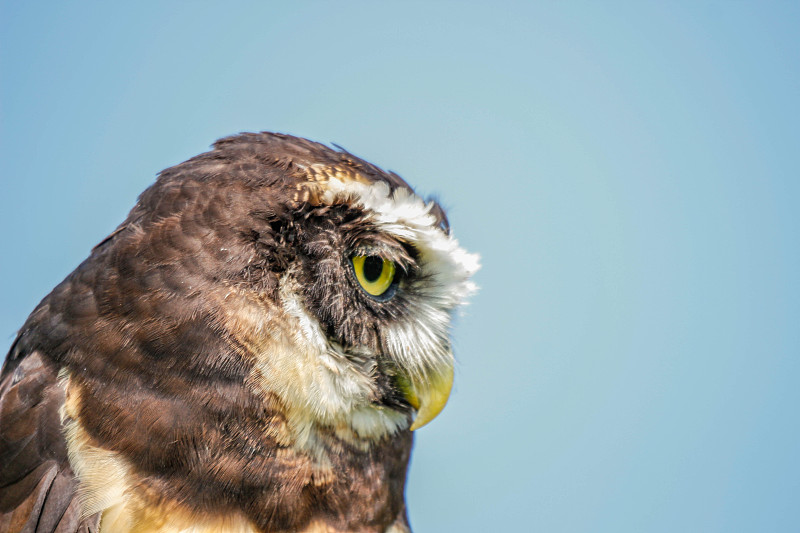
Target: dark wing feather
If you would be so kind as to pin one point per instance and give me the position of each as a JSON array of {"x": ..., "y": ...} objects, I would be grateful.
[{"x": 37, "y": 485}]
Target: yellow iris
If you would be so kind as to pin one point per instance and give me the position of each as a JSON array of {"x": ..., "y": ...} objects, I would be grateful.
[{"x": 374, "y": 274}]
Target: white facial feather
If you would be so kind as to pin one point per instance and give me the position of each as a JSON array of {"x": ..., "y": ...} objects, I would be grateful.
[
  {"x": 446, "y": 269},
  {"x": 406, "y": 216}
]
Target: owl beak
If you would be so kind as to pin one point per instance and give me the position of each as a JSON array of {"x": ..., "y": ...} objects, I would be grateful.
[{"x": 429, "y": 396}]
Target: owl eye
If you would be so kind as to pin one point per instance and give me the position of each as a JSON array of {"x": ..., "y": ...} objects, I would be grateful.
[{"x": 375, "y": 275}]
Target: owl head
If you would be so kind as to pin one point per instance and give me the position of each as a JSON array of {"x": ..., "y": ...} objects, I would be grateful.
[
  {"x": 322, "y": 283},
  {"x": 332, "y": 275}
]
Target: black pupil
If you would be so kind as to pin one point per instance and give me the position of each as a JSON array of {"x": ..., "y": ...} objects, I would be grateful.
[{"x": 373, "y": 266}]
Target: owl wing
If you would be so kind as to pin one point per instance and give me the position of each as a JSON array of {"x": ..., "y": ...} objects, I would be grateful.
[{"x": 37, "y": 485}]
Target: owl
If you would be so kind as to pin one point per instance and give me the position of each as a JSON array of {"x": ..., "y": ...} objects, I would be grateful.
[{"x": 249, "y": 351}]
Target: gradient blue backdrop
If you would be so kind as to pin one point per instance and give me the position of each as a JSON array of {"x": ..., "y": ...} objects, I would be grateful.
[{"x": 628, "y": 172}]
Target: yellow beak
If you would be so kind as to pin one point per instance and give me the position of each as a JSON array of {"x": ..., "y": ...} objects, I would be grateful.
[{"x": 428, "y": 397}]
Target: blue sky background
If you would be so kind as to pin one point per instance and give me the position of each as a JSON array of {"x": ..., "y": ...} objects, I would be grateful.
[{"x": 629, "y": 172}]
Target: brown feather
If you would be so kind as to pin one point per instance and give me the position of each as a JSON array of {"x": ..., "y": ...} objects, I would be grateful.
[{"x": 37, "y": 486}]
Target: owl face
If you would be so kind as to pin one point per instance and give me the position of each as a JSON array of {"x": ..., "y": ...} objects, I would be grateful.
[{"x": 366, "y": 304}]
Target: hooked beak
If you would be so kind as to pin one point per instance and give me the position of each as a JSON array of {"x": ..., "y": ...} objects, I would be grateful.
[{"x": 428, "y": 395}]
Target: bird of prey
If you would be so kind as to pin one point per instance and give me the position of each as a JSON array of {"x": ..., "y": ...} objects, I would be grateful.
[{"x": 249, "y": 351}]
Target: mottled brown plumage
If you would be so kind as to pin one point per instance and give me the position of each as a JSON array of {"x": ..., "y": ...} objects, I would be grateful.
[{"x": 189, "y": 370}]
